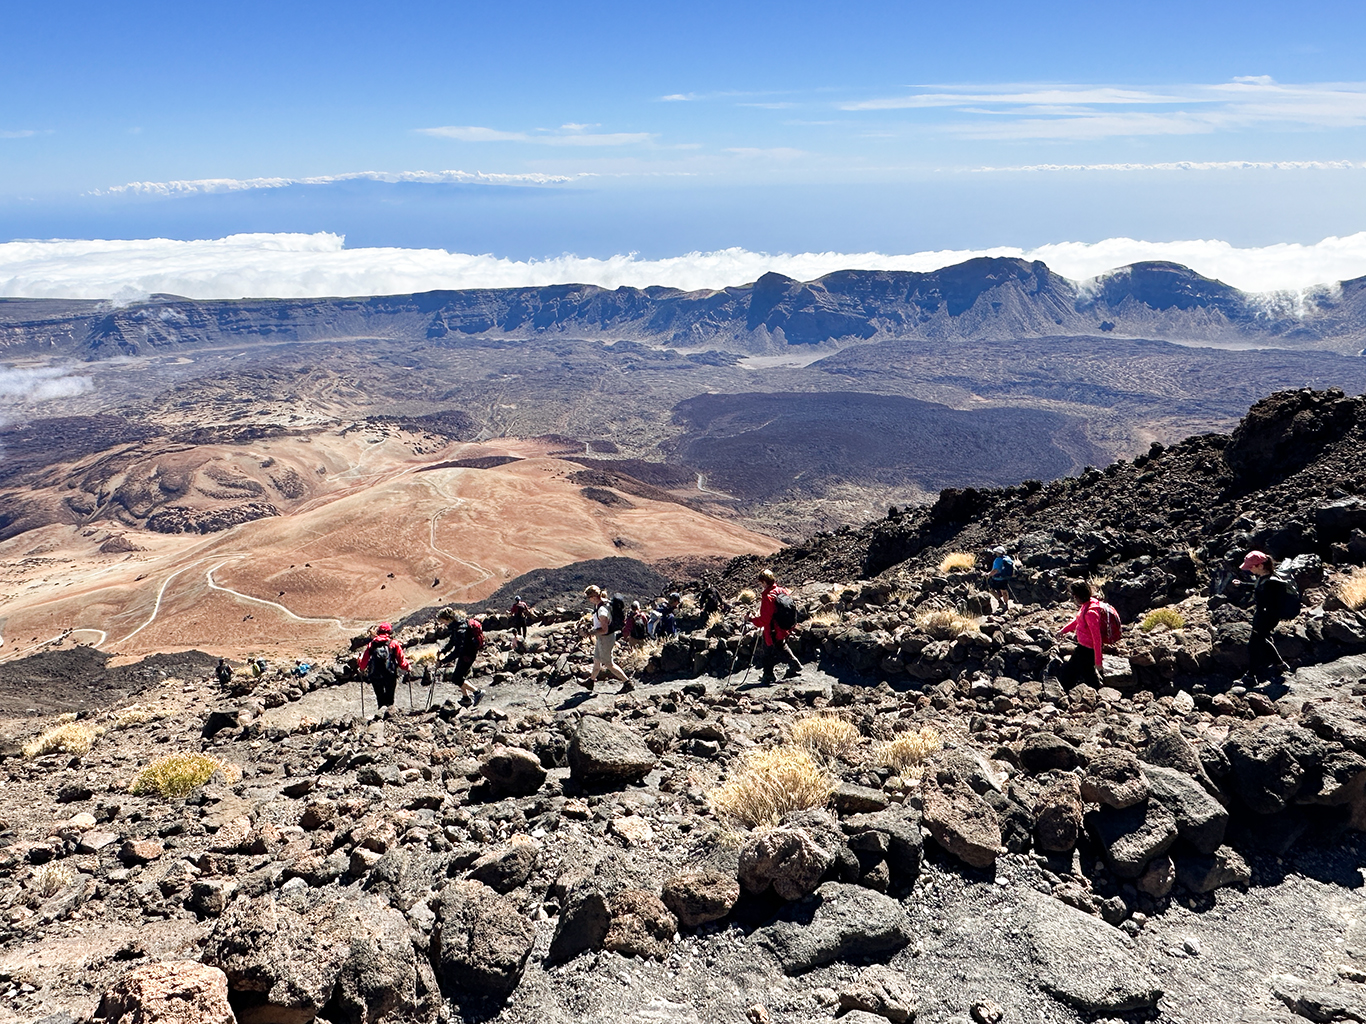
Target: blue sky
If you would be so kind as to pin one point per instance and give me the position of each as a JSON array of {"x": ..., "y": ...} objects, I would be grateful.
[{"x": 664, "y": 128}]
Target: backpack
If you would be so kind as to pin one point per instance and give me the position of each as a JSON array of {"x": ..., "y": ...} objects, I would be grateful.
[
  {"x": 1110, "y": 627},
  {"x": 618, "y": 622},
  {"x": 637, "y": 626},
  {"x": 383, "y": 665},
  {"x": 520, "y": 611},
  {"x": 784, "y": 610},
  {"x": 1007, "y": 567},
  {"x": 1292, "y": 602},
  {"x": 474, "y": 638}
]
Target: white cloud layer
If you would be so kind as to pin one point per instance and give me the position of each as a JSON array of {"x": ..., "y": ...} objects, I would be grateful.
[
  {"x": 1102, "y": 111},
  {"x": 38, "y": 385},
  {"x": 569, "y": 135},
  {"x": 299, "y": 266},
  {"x": 200, "y": 186},
  {"x": 1189, "y": 165}
]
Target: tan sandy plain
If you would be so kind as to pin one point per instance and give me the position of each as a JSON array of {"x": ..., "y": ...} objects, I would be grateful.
[{"x": 302, "y": 583}]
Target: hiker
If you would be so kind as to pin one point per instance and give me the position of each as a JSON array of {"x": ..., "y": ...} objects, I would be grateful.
[
  {"x": 1002, "y": 569},
  {"x": 637, "y": 626},
  {"x": 777, "y": 618},
  {"x": 223, "y": 672},
  {"x": 604, "y": 630},
  {"x": 381, "y": 662},
  {"x": 520, "y": 612},
  {"x": 1272, "y": 593},
  {"x": 664, "y": 619},
  {"x": 1086, "y": 662},
  {"x": 464, "y": 641},
  {"x": 712, "y": 601}
]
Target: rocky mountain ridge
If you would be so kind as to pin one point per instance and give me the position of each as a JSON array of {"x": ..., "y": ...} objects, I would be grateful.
[
  {"x": 955, "y": 837},
  {"x": 994, "y": 298}
]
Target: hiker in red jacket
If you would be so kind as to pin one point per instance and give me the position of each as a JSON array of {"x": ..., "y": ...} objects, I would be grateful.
[
  {"x": 1085, "y": 663},
  {"x": 381, "y": 662},
  {"x": 775, "y": 636}
]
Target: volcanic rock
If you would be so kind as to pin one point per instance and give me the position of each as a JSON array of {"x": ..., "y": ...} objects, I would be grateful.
[
  {"x": 837, "y": 922},
  {"x": 604, "y": 753},
  {"x": 169, "y": 992}
]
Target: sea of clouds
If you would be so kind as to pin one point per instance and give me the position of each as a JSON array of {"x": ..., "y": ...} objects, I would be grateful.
[{"x": 314, "y": 265}]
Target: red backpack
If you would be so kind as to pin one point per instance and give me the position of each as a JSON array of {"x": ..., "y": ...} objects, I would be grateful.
[{"x": 1110, "y": 628}]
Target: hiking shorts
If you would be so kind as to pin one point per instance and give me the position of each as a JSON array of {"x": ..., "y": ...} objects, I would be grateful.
[{"x": 602, "y": 647}]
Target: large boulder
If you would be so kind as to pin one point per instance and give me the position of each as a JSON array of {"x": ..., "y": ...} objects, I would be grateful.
[
  {"x": 482, "y": 942},
  {"x": 904, "y": 842},
  {"x": 508, "y": 867},
  {"x": 882, "y": 991},
  {"x": 168, "y": 992},
  {"x": 511, "y": 771},
  {"x": 1043, "y": 751},
  {"x": 379, "y": 977},
  {"x": 839, "y": 922},
  {"x": 789, "y": 860},
  {"x": 1205, "y": 872},
  {"x": 1270, "y": 761},
  {"x": 1201, "y": 820},
  {"x": 603, "y": 753},
  {"x": 961, "y": 821},
  {"x": 278, "y": 969},
  {"x": 1132, "y": 837},
  {"x": 1286, "y": 430},
  {"x": 1083, "y": 962},
  {"x": 700, "y": 897},
  {"x": 641, "y": 925},
  {"x": 585, "y": 917},
  {"x": 1058, "y": 816},
  {"x": 1114, "y": 778}
]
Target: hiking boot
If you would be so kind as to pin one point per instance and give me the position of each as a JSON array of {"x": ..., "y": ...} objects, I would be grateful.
[
  {"x": 589, "y": 684},
  {"x": 793, "y": 671},
  {"x": 477, "y": 696},
  {"x": 767, "y": 679},
  {"x": 627, "y": 686}
]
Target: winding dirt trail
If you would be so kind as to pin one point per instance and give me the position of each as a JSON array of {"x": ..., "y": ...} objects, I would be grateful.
[{"x": 214, "y": 585}]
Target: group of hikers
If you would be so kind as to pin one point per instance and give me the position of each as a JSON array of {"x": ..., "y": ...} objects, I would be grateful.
[{"x": 1095, "y": 626}]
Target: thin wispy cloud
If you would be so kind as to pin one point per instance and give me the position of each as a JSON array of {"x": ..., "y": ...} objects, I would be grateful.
[
  {"x": 301, "y": 266},
  {"x": 575, "y": 137},
  {"x": 22, "y": 133},
  {"x": 200, "y": 186},
  {"x": 1185, "y": 165},
  {"x": 1079, "y": 112}
]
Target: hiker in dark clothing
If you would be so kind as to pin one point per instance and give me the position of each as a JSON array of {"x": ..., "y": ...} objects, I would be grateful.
[
  {"x": 775, "y": 635},
  {"x": 712, "y": 601},
  {"x": 1002, "y": 570},
  {"x": 223, "y": 672},
  {"x": 464, "y": 641},
  {"x": 381, "y": 662},
  {"x": 520, "y": 613},
  {"x": 1264, "y": 661},
  {"x": 664, "y": 619},
  {"x": 1085, "y": 663}
]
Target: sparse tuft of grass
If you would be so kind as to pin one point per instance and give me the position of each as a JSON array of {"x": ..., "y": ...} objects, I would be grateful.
[
  {"x": 1098, "y": 585},
  {"x": 910, "y": 749},
  {"x": 770, "y": 783},
  {"x": 745, "y": 596},
  {"x": 713, "y": 619},
  {"x": 945, "y": 624},
  {"x": 634, "y": 655},
  {"x": 957, "y": 561},
  {"x": 687, "y": 605},
  {"x": 827, "y": 735},
  {"x": 827, "y": 617},
  {"x": 1169, "y": 617},
  {"x": 176, "y": 775},
  {"x": 67, "y": 738},
  {"x": 66, "y": 716},
  {"x": 50, "y": 879},
  {"x": 1352, "y": 592},
  {"x": 137, "y": 714}
]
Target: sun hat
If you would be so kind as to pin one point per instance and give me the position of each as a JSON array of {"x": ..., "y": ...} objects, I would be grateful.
[
  {"x": 384, "y": 627},
  {"x": 1254, "y": 559}
]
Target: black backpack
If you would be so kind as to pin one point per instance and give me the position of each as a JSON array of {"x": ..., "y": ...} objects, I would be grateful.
[
  {"x": 383, "y": 665},
  {"x": 784, "y": 612},
  {"x": 1291, "y": 602},
  {"x": 618, "y": 614}
]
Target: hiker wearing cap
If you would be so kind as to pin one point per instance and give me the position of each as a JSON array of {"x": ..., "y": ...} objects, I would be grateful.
[
  {"x": 604, "y": 637},
  {"x": 777, "y": 624},
  {"x": 664, "y": 619},
  {"x": 1270, "y": 599},
  {"x": 464, "y": 638},
  {"x": 1002, "y": 569},
  {"x": 381, "y": 662},
  {"x": 1085, "y": 663}
]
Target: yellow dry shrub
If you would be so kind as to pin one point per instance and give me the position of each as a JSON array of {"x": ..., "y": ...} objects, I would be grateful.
[
  {"x": 910, "y": 749},
  {"x": 687, "y": 604},
  {"x": 1169, "y": 617},
  {"x": 137, "y": 714},
  {"x": 176, "y": 775},
  {"x": 957, "y": 561},
  {"x": 67, "y": 738},
  {"x": 827, "y": 735},
  {"x": 827, "y": 617},
  {"x": 770, "y": 783},
  {"x": 1352, "y": 591},
  {"x": 50, "y": 879},
  {"x": 633, "y": 655},
  {"x": 945, "y": 624},
  {"x": 745, "y": 596},
  {"x": 66, "y": 716},
  {"x": 713, "y": 619},
  {"x": 1098, "y": 585}
]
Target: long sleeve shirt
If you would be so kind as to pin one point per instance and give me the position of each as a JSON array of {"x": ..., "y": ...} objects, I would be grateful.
[
  {"x": 764, "y": 620},
  {"x": 1086, "y": 626}
]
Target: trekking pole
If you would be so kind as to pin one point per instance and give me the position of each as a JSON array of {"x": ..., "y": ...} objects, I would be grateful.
[
  {"x": 362, "y": 695},
  {"x": 735, "y": 660},
  {"x": 409, "y": 676},
  {"x": 753, "y": 651},
  {"x": 436, "y": 678}
]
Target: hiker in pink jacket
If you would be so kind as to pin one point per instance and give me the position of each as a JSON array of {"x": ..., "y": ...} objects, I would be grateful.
[{"x": 1084, "y": 663}]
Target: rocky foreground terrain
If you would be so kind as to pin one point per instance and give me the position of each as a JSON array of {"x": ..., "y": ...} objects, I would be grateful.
[{"x": 923, "y": 826}]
